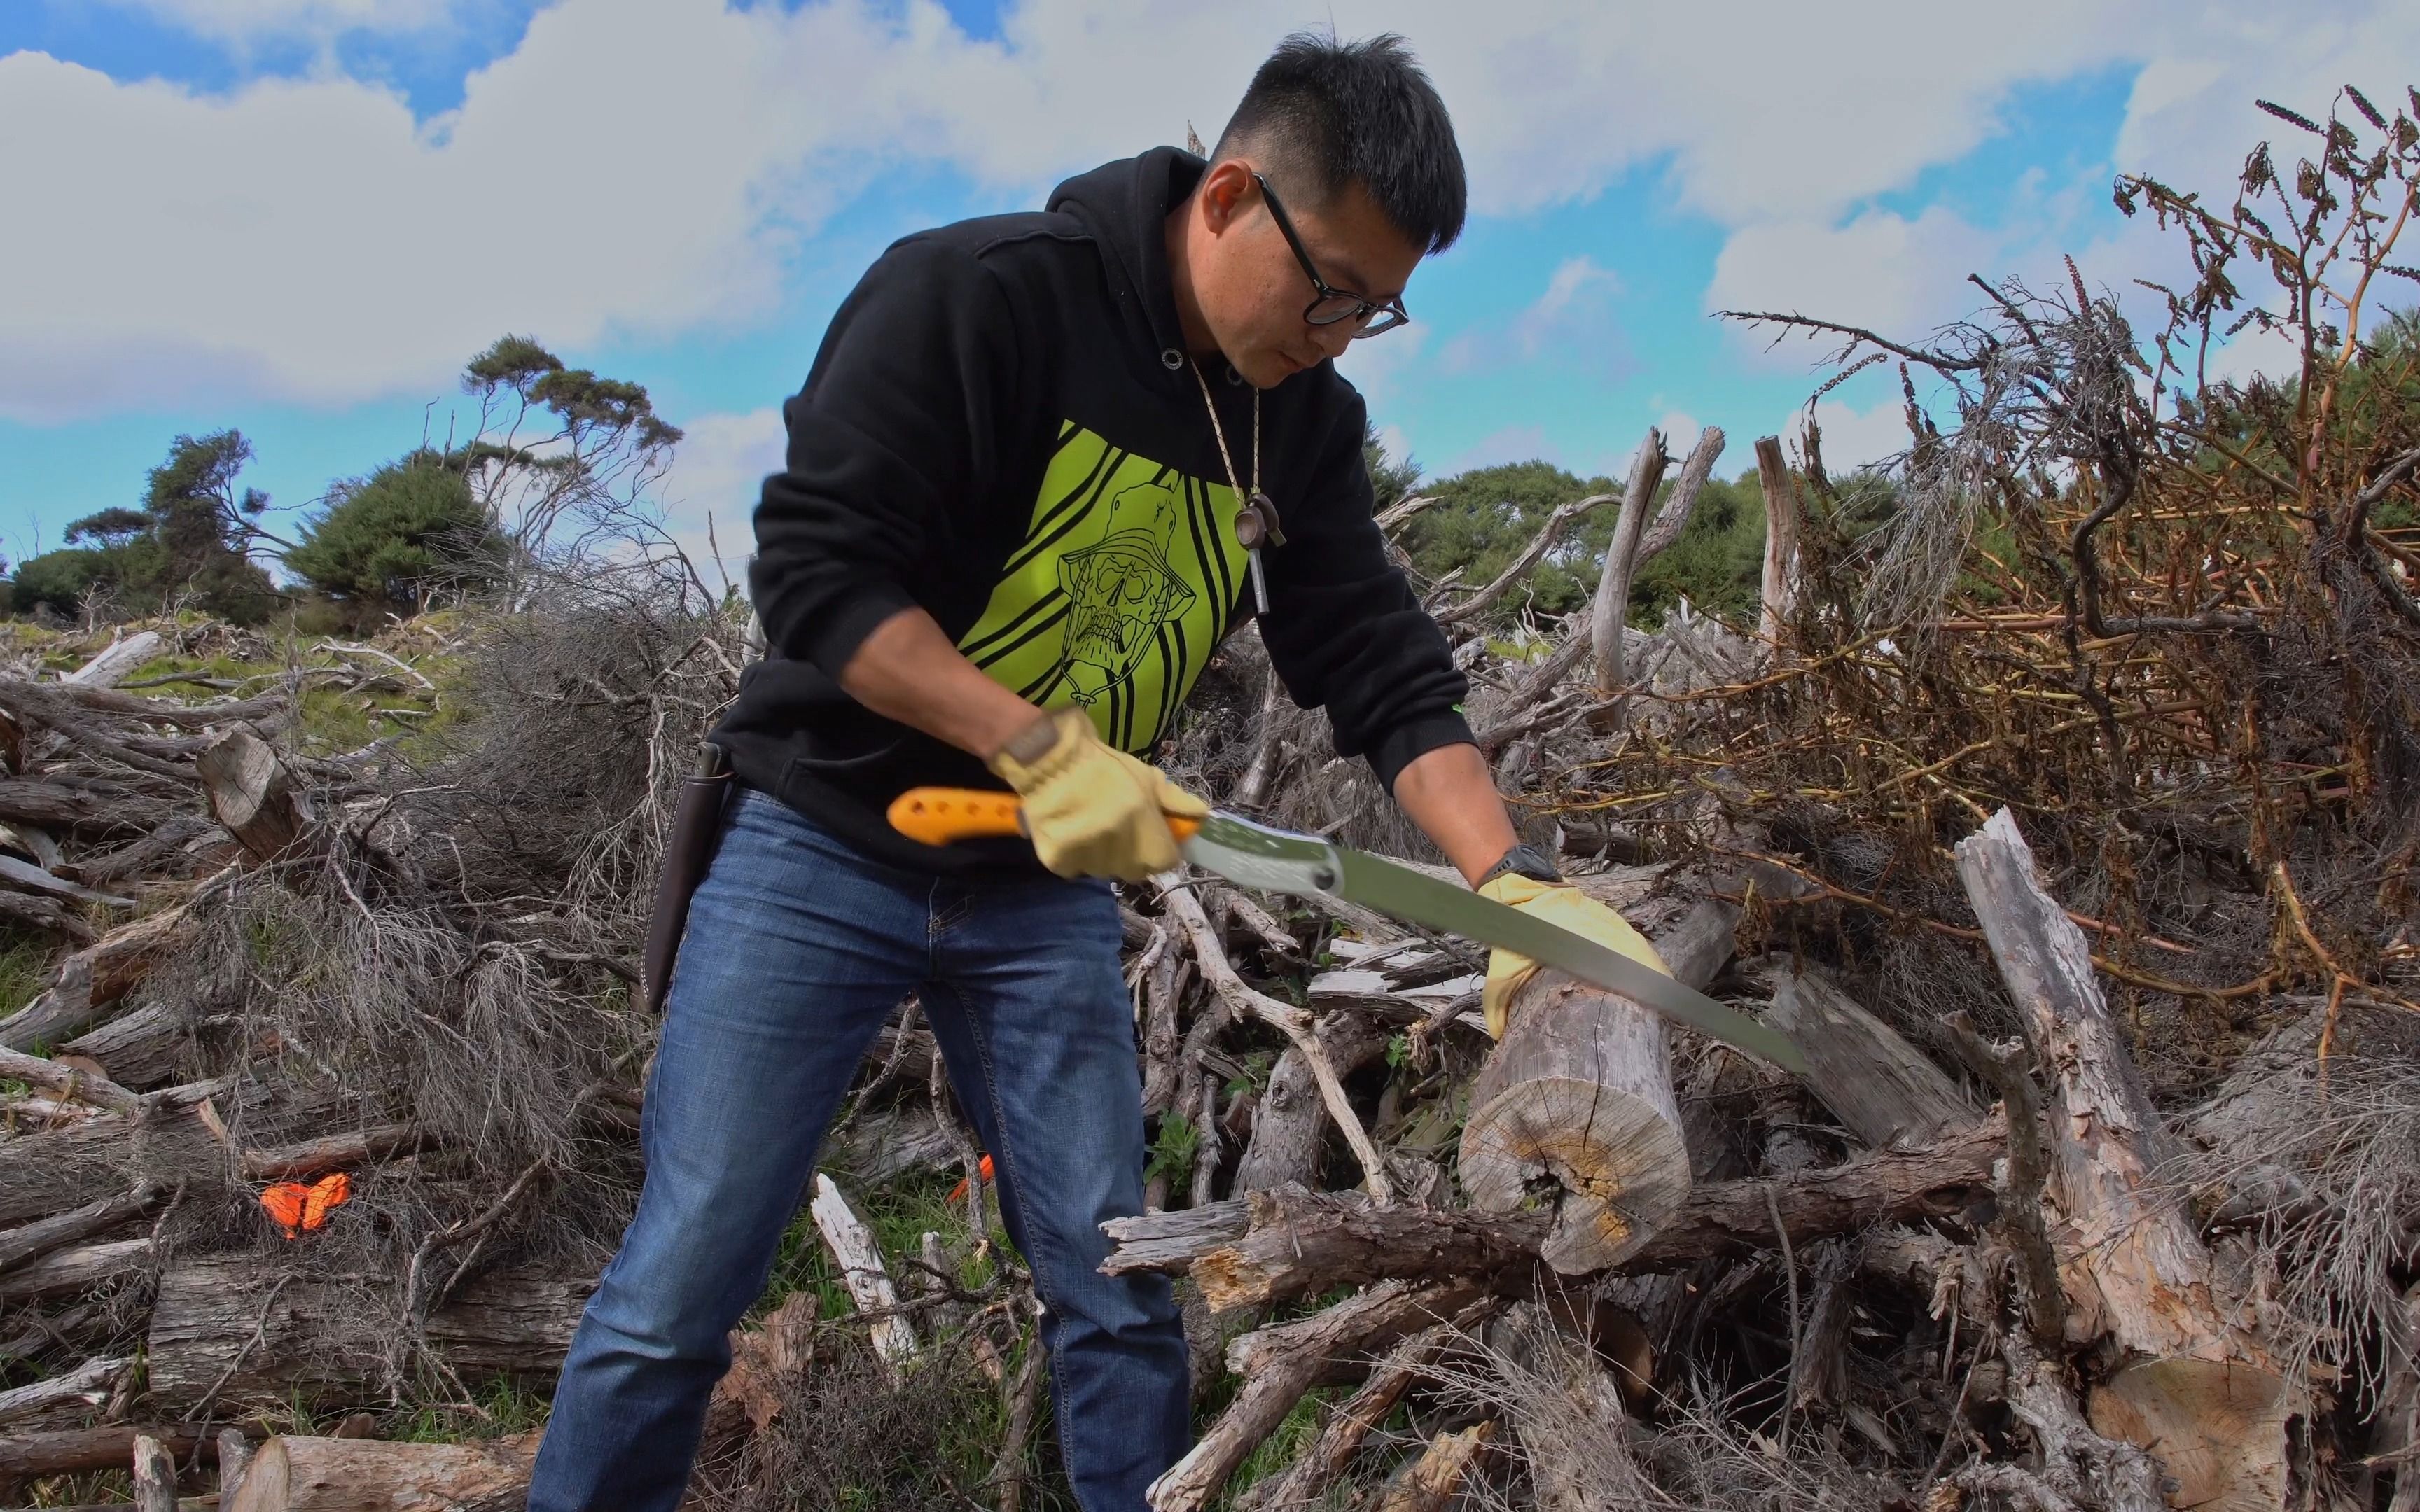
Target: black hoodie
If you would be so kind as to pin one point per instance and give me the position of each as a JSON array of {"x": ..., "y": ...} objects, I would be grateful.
[{"x": 1002, "y": 428}]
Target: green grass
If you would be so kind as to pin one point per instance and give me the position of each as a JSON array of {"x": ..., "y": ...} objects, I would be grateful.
[
  {"x": 1285, "y": 1443},
  {"x": 25, "y": 971},
  {"x": 899, "y": 1214},
  {"x": 1174, "y": 1150},
  {"x": 510, "y": 1406}
]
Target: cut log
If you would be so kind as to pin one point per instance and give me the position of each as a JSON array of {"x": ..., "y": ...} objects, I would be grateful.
[
  {"x": 218, "y": 1322},
  {"x": 70, "y": 1272},
  {"x": 18, "y": 1245},
  {"x": 2204, "y": 1395},
  {"x": 1882, "y": 1088},
  {"x": 1344, "y": 1237},
  {"x": 1579, "y": 1090},
  {"x": 862, "y": 1270},
  {"x": 116, "y": 662},
  {"x": 252, "y": 793},
  {"x": 316, "y": 1157},
  {"x": 1290, "y": 1124},
  {"x": 299, "y": 1475},
  {"x": 1280, "y": 1363}
]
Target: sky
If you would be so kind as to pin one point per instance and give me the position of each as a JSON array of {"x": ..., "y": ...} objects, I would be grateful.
[{"x": 300, "y": 218}]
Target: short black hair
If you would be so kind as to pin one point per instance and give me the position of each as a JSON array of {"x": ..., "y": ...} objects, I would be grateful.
[{"x": 1328, "y": 114}]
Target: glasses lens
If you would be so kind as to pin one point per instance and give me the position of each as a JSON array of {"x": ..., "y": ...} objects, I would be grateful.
[
  {"x": 1334, "y": 307},
  {"x": 1387, "y": 320}
]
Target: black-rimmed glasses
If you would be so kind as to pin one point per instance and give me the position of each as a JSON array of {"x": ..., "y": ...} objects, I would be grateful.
[{"x": 1330, "y": 304}]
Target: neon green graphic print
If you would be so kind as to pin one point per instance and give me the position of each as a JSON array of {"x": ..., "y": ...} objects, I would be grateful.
[{"x": 1126, "y": 580}]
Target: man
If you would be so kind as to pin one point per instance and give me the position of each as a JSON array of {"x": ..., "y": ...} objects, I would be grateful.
[{"x": 1043, "y": 465}]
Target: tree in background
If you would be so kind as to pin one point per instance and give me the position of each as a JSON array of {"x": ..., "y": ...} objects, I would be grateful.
[
  {"x": 407, "y": 530},
  {"x": 191, "y": 541},
  {"x": 1486, "y": 516},
  {"x": 564, "y": 461}
]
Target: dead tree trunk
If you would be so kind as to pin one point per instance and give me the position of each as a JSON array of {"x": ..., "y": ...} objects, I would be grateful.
[
  {"x": 2204, "y": 1395},
  {"x": 1290, "y": 1123},
  {"x": 1780, "y": 538},
  {"x": 298, "y": 1475},
  {"x": 1611, "y": 606},
  {"x": 1881, "y": 1087},
  {"x": 1579, "y": 1090}
]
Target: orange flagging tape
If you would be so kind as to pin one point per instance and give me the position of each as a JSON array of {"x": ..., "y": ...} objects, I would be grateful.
[
  {"x": 960, "y": 1190},
  {"x": 297, "y": 1206}
]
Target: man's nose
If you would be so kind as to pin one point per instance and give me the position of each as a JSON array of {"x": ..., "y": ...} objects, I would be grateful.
[{"x": 1333, "y": 339}]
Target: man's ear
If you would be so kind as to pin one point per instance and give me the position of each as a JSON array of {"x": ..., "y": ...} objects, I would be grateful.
[{"x": 1225, "y": 191}]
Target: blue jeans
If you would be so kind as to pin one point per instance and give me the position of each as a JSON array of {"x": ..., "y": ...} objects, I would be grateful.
[{"x": 797, "y": 949}]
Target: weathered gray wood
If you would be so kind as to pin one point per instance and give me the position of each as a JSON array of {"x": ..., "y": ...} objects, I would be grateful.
[
  {"x": 93, "y": 980},
  {"x": 252, "y": 793},
  {"x": 303, "y": 1474},
  {"x": 142, "y": 1049},
  {"x": 69, "y": 1082},
  {"x": 1290, "y": 1124},
  {"x": 69, "y": 1272},
  {"x": 155, "y": 1475},
  {"x": 1291, "y": 1243},
  {"x": 2197, "y": 1390},
  {"x": 117, "y": 661},
  {"x": 1780, "y": 537},
  {"x": 1580, "y": 1089},
  {"x": 88, "y": 1383},
  {"x": 1611, "y": 607},
  {"x": 1882, "y": 1088},
  {"x": 1280, "y": 1363},
  {"x": 38, "y": 1452},
  {"x": 216, "y": 1323},
  {"x": 22, "y": 1244}
]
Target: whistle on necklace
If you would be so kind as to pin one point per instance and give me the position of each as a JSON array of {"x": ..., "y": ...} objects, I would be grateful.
[{"x": 1256, "y": 524}]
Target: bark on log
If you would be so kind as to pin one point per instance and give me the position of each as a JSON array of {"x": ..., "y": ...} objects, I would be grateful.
[
  {"x": 1281, "y": 1363},
  {"x": 1344, "y": 1237},
  {"x": 1289, "y": 1141},
  {"x": 140, "y": 1050},
  {"x": 1580, "y": 1089},
  {"x": 2205, "y": 1396},
  {"x": 252, "y": 793},
  {"x": 216, "y": 1322},
  {"x": 66, "y": 1451},
  {"x": 69, "y": 1272},
  {"x": 1882, "y": 1088},
  {"x": 299, "y": 1475},
  {"x": 18, "y": 1245},
  {"x": 69, "y": 1082},
  {"x": 314, "y": 1157},
  {"x": 88, "y": 1383},
  {"x": 1349, "y": 1426}
]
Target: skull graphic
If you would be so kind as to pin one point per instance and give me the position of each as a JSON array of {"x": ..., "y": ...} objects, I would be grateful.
[{"x": 1120, "y": 591}]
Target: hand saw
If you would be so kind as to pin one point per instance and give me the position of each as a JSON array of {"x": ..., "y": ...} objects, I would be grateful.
[{"x": 1278, "y": 860}]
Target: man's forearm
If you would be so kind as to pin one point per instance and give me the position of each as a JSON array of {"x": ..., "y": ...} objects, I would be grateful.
[
  {"x": 1451, "y": 795},
  {"x": 908, "y": 671}
]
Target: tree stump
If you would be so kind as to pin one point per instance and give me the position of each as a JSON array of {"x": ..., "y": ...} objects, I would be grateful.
[
  {"x": 299, "y": 1475},
  {"x": 1579, "y": 1093},
  {"x": 251, "y": 792}
]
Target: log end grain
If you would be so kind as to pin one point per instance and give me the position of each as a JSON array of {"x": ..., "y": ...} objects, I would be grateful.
[
  {"x": 2218, "y": 1427},
  {"x": 1618, "y": 1157}
]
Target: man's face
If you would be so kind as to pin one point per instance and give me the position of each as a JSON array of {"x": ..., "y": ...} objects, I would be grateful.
[{"x": 1251, "y": 288}]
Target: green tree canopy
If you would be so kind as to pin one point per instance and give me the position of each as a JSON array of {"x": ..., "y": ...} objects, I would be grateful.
[
  {"x": 409, "y": 527},
  {"x": 188, "y": 541}
]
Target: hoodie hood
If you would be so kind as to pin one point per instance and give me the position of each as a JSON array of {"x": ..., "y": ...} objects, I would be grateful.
[{"x": 1124, "y": 204}]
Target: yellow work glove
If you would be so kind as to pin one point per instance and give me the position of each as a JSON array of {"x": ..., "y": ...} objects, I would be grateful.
[
  {"x": 1092, "y": 810},
  {"x": 1565, "y": 906}
]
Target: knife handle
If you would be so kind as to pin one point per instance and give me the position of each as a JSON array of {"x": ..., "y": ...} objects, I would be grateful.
[{"x": 937, "y": 816}]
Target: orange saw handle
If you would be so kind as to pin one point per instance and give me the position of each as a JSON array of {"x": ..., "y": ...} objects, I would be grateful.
[{"x": 937, "y": 816}]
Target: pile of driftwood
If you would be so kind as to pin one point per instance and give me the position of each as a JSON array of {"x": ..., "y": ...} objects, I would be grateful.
[{"x": 2061, "y": 807}]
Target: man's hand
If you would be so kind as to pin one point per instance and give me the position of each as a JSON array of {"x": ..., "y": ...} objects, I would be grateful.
[
  {"x": 1090, "y": 809},
  {"x": 1562, "y": 905}
]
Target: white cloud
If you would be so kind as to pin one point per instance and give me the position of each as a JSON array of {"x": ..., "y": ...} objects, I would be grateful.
[
  {"x": 1574, "y": 322},
  {"x": 644, "y": 167},
  {"x": 1853, "y": 438},
  {"x": 711, "y": 488},
  {"x": 1881, "y": 269}
]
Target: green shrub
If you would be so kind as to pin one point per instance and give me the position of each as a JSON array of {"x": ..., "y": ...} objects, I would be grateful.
[{"x": 408, "y": 528}]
